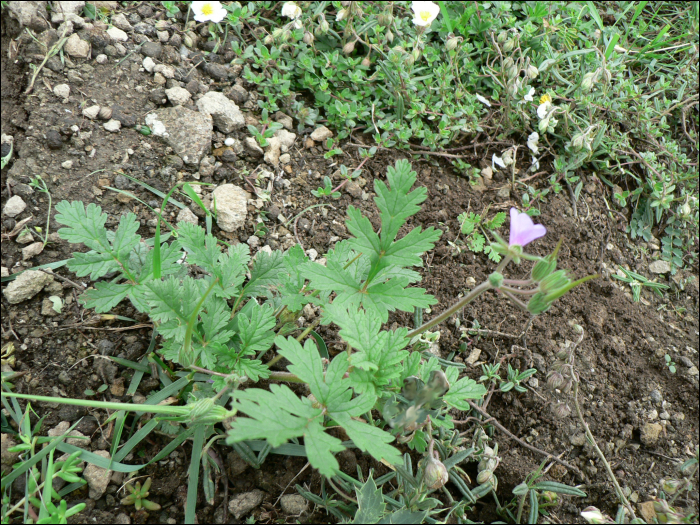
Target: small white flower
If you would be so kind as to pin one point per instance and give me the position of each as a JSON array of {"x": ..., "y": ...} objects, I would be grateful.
[
  {"x": 543, "y": 108},
  {"x": 532, "y": 141},
  {"x": 424, "y": 13},
  {"x": 291, "y": 10},
  {"x": 208, "y": 11},
  {"x": 483, "y": 100},
  {"x": 535, "y": 164},
  {"x": 530, "y": 94},
  {"x": 497, "y": 161}
]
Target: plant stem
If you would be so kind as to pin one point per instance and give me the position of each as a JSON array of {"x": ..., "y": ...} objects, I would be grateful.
[
  {"x": 476, "y": 292},
  {"x": 521, "y": 506}
]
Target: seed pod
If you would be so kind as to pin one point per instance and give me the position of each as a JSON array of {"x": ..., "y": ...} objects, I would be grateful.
[
  {"x": 343, "y": 13},
  {"x": 349, "y": 47},
  {"x": 561, "y": 410},
  {"x": 366, "y": 62},
  {"x": 508, "y": 46},
  {"x": 452, "y": 43},
  {"x": 587, "y": 82},
  {"x": 532, "y": 71},
  {"x": 501, "y": 37},
  {"x": 537, "y": 305},
  {"x": 389, "y": 37},
  {"x": 508, "y": 63},
  {"x": 554, "y": 380},
  {"x": 513, "y": 72},
  {"x": 577, "y": 142},
  {"x": 324, "y": 26},
  {"x": 543, "y": 268},
  {"x": 484, "y": 477},
  {"x": 435, "y": 474},
  {"x": 308, "y": 38}
]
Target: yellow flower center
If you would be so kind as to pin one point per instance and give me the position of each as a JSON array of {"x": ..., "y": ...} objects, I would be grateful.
[
  {"x": 545, "y": 98},
  {"x": 425, "y": 15},
  {"x": 207, "y": 9}
]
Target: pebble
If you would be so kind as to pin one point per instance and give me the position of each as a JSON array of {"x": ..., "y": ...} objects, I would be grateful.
[
  {"x": 118, "y": 35},
  {"x": 101, "y": 58},
  {"x": 91, "y": 112},
  {"x": 231, "y": 207},
  {"x": 166, "y": 71},
  {"x": 656, "y": 397},
  {"x": 53, "y": 139},
  {"x": 187, "y": 215},
  {"x": 32, "y": 250},
  {"x": 163, "y": 36},
  {"x": 321, "y": 133},
  {"x": 26, "y": 286},
  {"x": 242, "y": 504},
  {"x": 149, "y": 64},
  {"x": 120, "y": 21},
  {"x": 62, "y": 428},
  {"x": 649, "y": 434},
  {"x": 294, "y": 504},
  {"x": 97, "y": 477},
  {"x": 253, "y": 241},
  {"x": 76, "y": 47},
  {"x": 660, "y": 267},
  {"x": 61, "y": 91},
  {"x": 178, "y": 96},
  {"x": 151, "y": 49},
  {"x": 25, "y": 237},
  {"x": 286, "y": 158},
  {"x": 67, "y": 164},
  {"x": 313, "y": 254},
  {"x": 113, "y": 125}
]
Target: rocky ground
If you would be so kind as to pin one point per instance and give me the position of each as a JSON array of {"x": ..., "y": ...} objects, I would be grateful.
[{"x": 78, "y": 127}]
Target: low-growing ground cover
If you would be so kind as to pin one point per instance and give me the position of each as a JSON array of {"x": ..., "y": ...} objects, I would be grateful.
[{"x": 366, "y": 130}]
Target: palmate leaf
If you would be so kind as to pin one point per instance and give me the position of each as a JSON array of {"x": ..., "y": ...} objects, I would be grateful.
[
  {"x": 255, "y": 330},
  {"x": 462, "y": 390},
  {"x": 264, "y": 274},
  {"x": 105, "y": 296},
  {"x": 83, "y": 226}
]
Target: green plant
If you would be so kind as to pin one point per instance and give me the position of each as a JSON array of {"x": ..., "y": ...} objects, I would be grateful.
[
  {"x": 475, "y": 240},
  {"x": 215, "y": 331},
  {"x": 669, "y": 364},
  {"x": 268, "y": 129},
  {"x": 636, "y": 282},
  {"x": 137, "y": 496}
]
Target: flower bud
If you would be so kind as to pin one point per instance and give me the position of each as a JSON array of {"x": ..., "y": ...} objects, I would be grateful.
[
  {"x": 343, "y": 13},
  {"x": 501, "y": 37},
  {"x": 452, "y": 43},
  {"x": 496, "y": 280},
  {"x": 508, "y": 46},
  {"x": 554, "y": 281},
  {"x": 593, "y": 515},
  {"x": 561, "y": 410},
  {"x": 685, "y": 210},
  {"x": 308, "y": 38},
  {"x": 268, "y": 40},
  {"x": 484, "y": 477},
  {"x": 435, "y": 474},
  {"x": 389, "y": 37},
  {"x": 543, "y": 268},
  {"x": 550, "y": 497},
  {"x": 607, "y": 75},
  {"x": 410, "y": 60},
  {"x": 671, "y": 486},
  {"x": 537, "y": 305},
  {"x": 349, "y": 47},
  {"x": 286, "y": 35},
  {"x": 587, "y": 82},
  {"x": 542, "y": 126},
  {"x": 508, "y": 63},
  {"x": 513, "y": 72},
  {"x": 554, "y": 380},
  {"x": 532, "y": 71},
  {"x": 366, "y": 62},
  {"x": 324, "y": 26},
  {"x": 415, "y": 54},
  {"x": 385, "y": 19}
]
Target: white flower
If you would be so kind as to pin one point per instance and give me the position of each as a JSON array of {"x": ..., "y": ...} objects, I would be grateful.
[
  {"x": 542, "y": 109},
  {"x": 424, "y": 13},
  {"x": 497, "y": 161},
  {"x": 532, "y": 142},
  {"x": 535, "y": 164},
  {"x": 528, "y": 97},
  {"x": 483, "y": 100},
  {"x": 208, "y": 11},
  {"x": 291, "y": 10}
]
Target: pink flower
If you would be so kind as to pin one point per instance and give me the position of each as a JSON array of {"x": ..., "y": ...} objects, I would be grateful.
[{"x": 522, "y": 230}]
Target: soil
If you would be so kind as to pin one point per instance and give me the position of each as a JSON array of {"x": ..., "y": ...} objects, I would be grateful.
[{"x": 626, "y": 384}]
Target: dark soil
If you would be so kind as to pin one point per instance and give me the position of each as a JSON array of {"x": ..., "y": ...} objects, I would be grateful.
[{"x": 625, "y": 383}]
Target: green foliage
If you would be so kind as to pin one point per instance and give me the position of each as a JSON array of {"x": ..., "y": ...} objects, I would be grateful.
[
  {"x": 475, "y": 240},
  {"x": 137, "y": 496}
]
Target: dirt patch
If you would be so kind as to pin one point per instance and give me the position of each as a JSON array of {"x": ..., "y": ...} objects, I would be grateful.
[{"x": 625, "y": 382}]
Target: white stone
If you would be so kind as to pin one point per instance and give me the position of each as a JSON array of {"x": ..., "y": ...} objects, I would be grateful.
[
  {"x": 253, "y": 241},
  {"x": 149, "y": 64},
  {"x": 67, "y": 165},
  {"x": 187, "y": 215},
  {"x": 285, "y": 120},
  {"x": 660, "y": 267},
  {"x": 76, "y": 47},
  {"x": 231, "y": 206},
  {"x": 178, "y": 96},
  {"x": 321, "y": 133},
  {"x": 313, "y": 254},
  {"x": 91, "y": 112},
  {"x": 163, "y": 36},
  {"x": 101, "y": 58},
  {"x": 229, "y": 142},
  {"x": 14, "y": 206},
  {"x": 117, "y": 34},
  {"x": 97, "y": 477},
  {"x": 272, "y": 152},
  {"x": 227, "y": 117},
  {"x": 120, "y": 21},
  {"x": 61, "y": 91},
  {"x": 166, "y": 71},
  {"x": 286, "y": 158},
  {"x": 62, "y": 428},
  {"x": 32, "y": 250},
  {"x": 26, "y": 285},
  {"x": 252, "y": 146},
  {"x": 112, "y": 125},
  {"x": 286, "y": 138}
]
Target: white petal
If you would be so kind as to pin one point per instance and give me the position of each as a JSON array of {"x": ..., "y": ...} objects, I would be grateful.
[
  {"x": 532, "y": 141},
  {"x": 535, "y": 163},
  {"x": 530, "y": 94},
  {"x": 542, "y": 109},
  {"x": 483, "y": 100},
  {"x": 424, "y": 12},
  {"x": 497, "y": 161}
]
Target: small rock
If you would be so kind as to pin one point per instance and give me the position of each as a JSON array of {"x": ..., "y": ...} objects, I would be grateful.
[
  {"x": 97, "y": 477},
  {"x": 272, "y": 152},
  {"x": 152, "y": 49},
  {"x": 231, "y": 207},
  {"x": 353, "y": 188},
  {"x": 163, "y": 36},
  {"x": 473, "y": 356},
  {"x": 67, "y": 165},
  {"x": 187, "y": 132},
  {"x": 236, "y": 465},
  {"x": 252, "y": 147},
  {"x": 660, "y": 267},
  {"x": 166, "y": 71},
  {"x": 470, "y": 282},
  {"x": 8, "y": 458},
  {"x": 120, "y": 21},
  {"x": 91, "y": 112},
  {"x": 76, "y": 47},
  {"x": 101, "y": 58},
  {"x": 285, "y": 120},
  {"x": 217, "y": 71},
  {"x": 294, "y": 504},
  {"x": 113, "y": 125},
  {"x": 61, "y": 91},
  {"x": 105, "y": 113},
  {"x": 649, "y": 434},
  {"x": 656, "y": 397},
  {"x": 320, "y": 134},
  {"x": 187, "y": 215},
  {"x": 313, "y": 254},
  {"x": 253, "y": 241},
  {"x": 285, "y": 137},
  {"x": 53, "y": 139},
  {"x": 118, "y": 35},
  {"x": 692, "y": 371},
  {"x": 47, "y": 310},
  {"x": 25, "y": 237},
  {"x": 26, "y": 286},
  {"x": 309, "y": 143},
  {"x": 149, "y": 64},
  {"x": 285, "y": 159},
  {"x": 578, "y": 440},
  {"x": 647, "y": 511},
  {"x": 62, "y": 428},
  {"x": 159, "y": 79},
  {"x": 32, "y": 250},
  {"x": 14, "y": 206},
  {"x": 242, "y": 504},
  {"x": 504, "y": 193},
  {"x": 227, "y": 117},
  {"x": 178, "y": 96},
  {"x": 238, "y": 94}
]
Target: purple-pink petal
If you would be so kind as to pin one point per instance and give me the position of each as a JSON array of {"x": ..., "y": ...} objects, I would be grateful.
[{"x": 522, "y": 230}]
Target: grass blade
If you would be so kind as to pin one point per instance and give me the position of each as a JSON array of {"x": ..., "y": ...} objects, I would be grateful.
[{"x": 193, "y": 474}]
